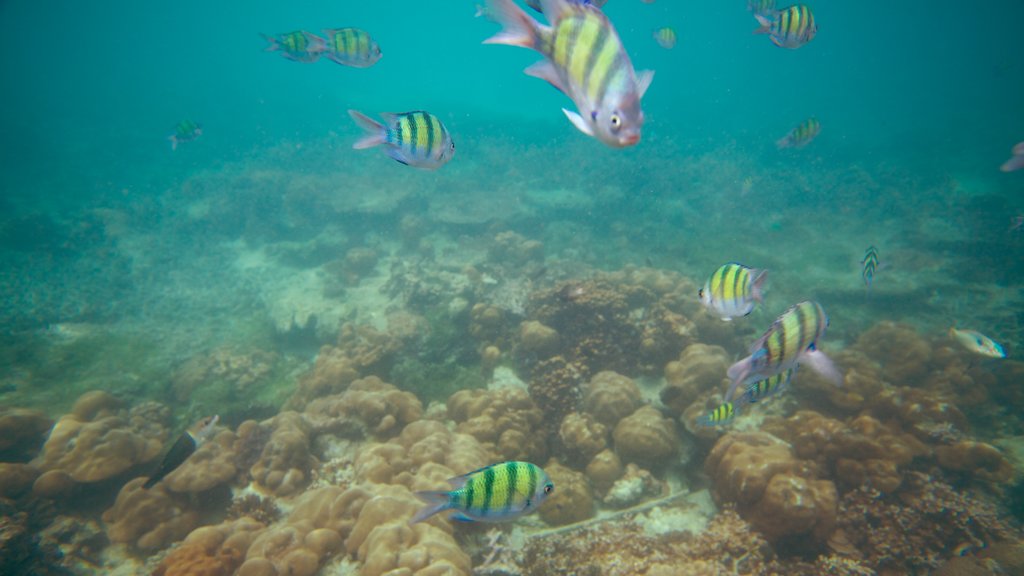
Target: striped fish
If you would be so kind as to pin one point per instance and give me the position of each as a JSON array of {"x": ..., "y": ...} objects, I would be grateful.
[
  {"x": 584, "y": 58},
  {"x": 415, "y": 139},
  {"x": 870, "y": 263},
  {"x": 300, "y": 46},
  {"x": 733, "y": 290},
  {"x": 761, "y": 7},
  {"x": 801, "y": 135},
  {"x": 496, "y": 493},
  {"x": 756, "y": 392},
  {"x": 352, "y": 47},
  {"x": 791, "y": 340},
  {"x": 788, "y": 28},
  {"x": 665, "y": 37},
  {"x": 184, "y": 447}
]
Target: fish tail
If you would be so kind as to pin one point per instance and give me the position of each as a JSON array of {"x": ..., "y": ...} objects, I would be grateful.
[
  {"x": 436, "y": 502},
  {"x": 375, "y": 135},
  {"x": 738, "y": 373},
  {"x": 757, "y": 284},
  {"x": 517, "y": 27},
  {"x": 766, "y": 24},
  {"x": 273, "y": 44}
]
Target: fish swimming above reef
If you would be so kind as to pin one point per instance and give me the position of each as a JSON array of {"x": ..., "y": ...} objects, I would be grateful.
[
  {"x": 186, "y": 131},
  {"x": 1016, "y": 162},
  {"x": 870, "y": 264},
  {"x": 790, "y": 341},
  {"x": 184, "y": 447},
  {"x": 789, "y": 27},
  {"x": 585, "y": 60},
  {"x": 416, "y": 139},
  {"x": 977, "y": 342},
  {"x": 300, "y": 46},
  {"x": 733, "y": 290},
  {"x": 351, "y": 47},
  {"x": 756, "y": 392},
  {"x": 496, "y": 493},
  {"x": 665, "y": 37},
  {"x": 800, "y": 136}
]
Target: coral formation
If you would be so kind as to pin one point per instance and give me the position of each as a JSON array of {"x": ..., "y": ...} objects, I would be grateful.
[
  {"x": 368, "y": 408},
  {"x": 505, "y": 421},
  {"x": 582, "y": 437},
  {"x": 572, "y": 499},
  {"x": 214, "y": 463},
  {"x": 538, "y": 339},
  {"x": 22, "y": 433},
  {"x": 646, "y": 438},
  {"x": 225, "y": 366},
  {"x": 16, "y": 479},
  {"x": 977, "y": 460},
  {"x": 211, "y": 550},
  {"x": 610, "y": 397},
  {"x": 148, "y": 519},
  {"x": 700, "y": 368},
  {"x": 285, "y": 464},
  {"x": 604, "y": 470},
  {"x": 262, "y": 510}
]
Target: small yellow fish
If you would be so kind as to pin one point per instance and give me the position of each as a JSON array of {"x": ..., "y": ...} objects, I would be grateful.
[
  {"x": 978, "y": 343},
  {"x": 665, "y": 37}
]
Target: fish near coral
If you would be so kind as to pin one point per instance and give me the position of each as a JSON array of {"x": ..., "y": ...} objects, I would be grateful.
[
  {"x": 416, "y": 139},
  {"x": 496, "y": 493},
  {"x": 585, "y": 60},
  {"x": 791, "y": 340},
  {"x": 756, "y": 392},
  {"x": 733, "y": 290},
  {"x": 977, "y": 342},
  {"x": 788, "y": 28},
  {"x": 184, "y": 447}
]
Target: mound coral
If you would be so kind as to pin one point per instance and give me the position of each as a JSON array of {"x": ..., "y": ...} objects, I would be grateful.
[
  {"x": 582, "y": 437},
  {"x": 22, "y": 432},
  {"x": 505, "y": 421},
  {"x": 778, "y": 494},
  {"x": 903, "y": 354},
  {"x": 99, "y": 439},
  {"x": 370, "y": 407},
  {"x": 214, "y": 463},
  {"x": 572, "y": 499},
  {"x": 646, "y": 438},
  {"x": 148, "y": 519},
  {"x": 610, "y": 397},
  {"x": 285, "y": 464},
  {"x": 536, "y": 338},
  {"x": 977, "y": 460},
  {"x": 699, "y": 369},
  {"x": 211, "y": 550},
  {"x": 16, "y": 479}
]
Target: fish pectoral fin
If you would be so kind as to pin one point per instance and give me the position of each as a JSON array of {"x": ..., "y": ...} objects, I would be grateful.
[
  {"x": 546, "y": 71},
  {"x": 578, "y": 122},
  {"x": 643, "y": 82},
  {"x": 461, "y": 517}
]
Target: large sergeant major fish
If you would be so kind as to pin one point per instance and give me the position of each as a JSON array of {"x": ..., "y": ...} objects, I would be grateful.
[
  {"x": 495, "y": 493},
  {"x": 583, "y": 58},
  {"x": 184, "y": 447},
  {"x": 791, "y": 340}
]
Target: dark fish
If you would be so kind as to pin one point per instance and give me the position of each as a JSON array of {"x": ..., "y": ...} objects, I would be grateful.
[{"x": 184, "y": 447}]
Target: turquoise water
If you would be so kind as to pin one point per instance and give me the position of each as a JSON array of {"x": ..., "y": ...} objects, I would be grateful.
[{"x": 126, "y": 265}]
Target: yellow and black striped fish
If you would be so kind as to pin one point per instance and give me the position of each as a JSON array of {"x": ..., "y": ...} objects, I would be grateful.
[
  {"x": 788, "y": 28},
  {"x": 300, "y": 46},
  {"x": 791, "y": 340},
  {"x": 756, "y": 392},
  {"x": 417, "y": 139},
  {"x": 352, "y": 47},
  {"x": 665, "y": 37},
  {"x": 733, "y": 290},
  {"x": 584, "y": 58},
  {"x": 496, "y": 493},
  {"x": 870, "y": 263},
  {"x": 801, "y": 135}
]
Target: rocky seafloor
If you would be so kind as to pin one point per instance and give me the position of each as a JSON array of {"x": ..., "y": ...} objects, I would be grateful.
[{"x": 360, "y": 346}]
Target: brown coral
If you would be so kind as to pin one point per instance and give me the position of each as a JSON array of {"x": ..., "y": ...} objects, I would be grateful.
[
  {"x": 647, "y": 438},
  {"x": 976, "y": 459},
  {"x": 699, "y": 369},
  {"x": 505, "y": 420},
  {"x": 610, "y": 397},
  {"x": 285, "y": 464},
  {"x": 211, "y": 550},
  {"x": 148, "y": 519},
  {"x": 370, "y": 407},
  {"x": 572, "y": 499},
  {"x": 582, "y": 437},
  {"x": 903, "y": 354},
  {"x": 214, "y": 463},
  {"x": 536, "y": 338},
  {"x": 22, "y": 433}
]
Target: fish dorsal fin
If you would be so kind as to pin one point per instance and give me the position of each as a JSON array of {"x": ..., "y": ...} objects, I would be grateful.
[
  {"x": 643, "y": 82},
  {"x": 555, "y": 9}
]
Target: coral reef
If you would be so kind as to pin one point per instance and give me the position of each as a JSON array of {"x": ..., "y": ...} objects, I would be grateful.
[
  {"x": 699, "y": 369},
  {"x": 262, "y": 510},
  {"x": 99, "y": 440},
  {"x": 572, "y": 500},
  {"x": 285, "y": 464},
  {"x": 22, "y": 433},
  {"x": 976, "y": 460},
  {"x": 610, "y": 397},
  {"x": 604, "y": 470},
  {"x": 16, "y": 479},
  {"x": 538, "y": 339},
  {"x": 505, "y": 421},
  {"x": 646, "y": 438},
  {"x": 224, "y": 366},
  {"x": 369, "y": 408},
  {"x": 214, "y": 463},
  {"x": 211, "y": 550},
  {"x": 582, "y": 437},
  {"x": 149, "y": 519}
]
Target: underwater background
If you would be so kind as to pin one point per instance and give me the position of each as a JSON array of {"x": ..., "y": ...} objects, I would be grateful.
[{"x": 365, "y": 330}]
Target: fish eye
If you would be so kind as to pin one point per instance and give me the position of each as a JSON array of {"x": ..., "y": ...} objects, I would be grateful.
[
  {"x": 549, "y": 488},
  {"x": 616, "y": 121},
  {"x": 700, "y": 293}
]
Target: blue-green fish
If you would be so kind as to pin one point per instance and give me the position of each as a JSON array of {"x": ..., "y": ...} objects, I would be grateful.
[
  {"x": 496, "y": 493},
  {"x": 352, "y": 47},
  {"x": 186, "y": 131},
  {"x": 801, "y": 135},
  {"x": 415, "y": 139},
  {"x": 300, "y": 46},
  {"x": 870, "y": 264},
  {"x": 583, "y": 58},
  {"x": 788, "y": 28},
  {"x": 791, "y": 340},
  {"x": 733, "y": 290},
  {"x": 184, "y": 447},
  {"x": 756, "y": 392}
]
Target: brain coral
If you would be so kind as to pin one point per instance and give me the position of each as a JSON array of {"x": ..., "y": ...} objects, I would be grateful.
[
  {"x": 646, "y": 438},
  {"x": 610, "y": 397},
  {"x": 572, "y": 499},
  {"x": 285, "y": 464}
]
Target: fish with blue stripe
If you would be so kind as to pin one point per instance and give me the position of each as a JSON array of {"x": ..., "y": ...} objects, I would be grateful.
[
  {"x": 800, "y": 136},
  {"x": 416, "y": 139},
  {"x": 584, "y": 59},
  {"x": 792, "y": 339},
  {"x": 870, "y": 265},
  {"x": 756, "y": 392},
  {"x": 733, "y": 290},
  {"x": 352, "y": 47},
  {"x": 790, "y": 27},
  {"x": 497, "y": 493},
  {"x": 300, "y": 46}
]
